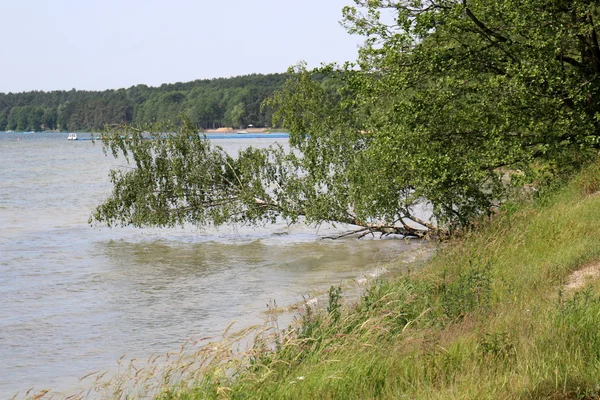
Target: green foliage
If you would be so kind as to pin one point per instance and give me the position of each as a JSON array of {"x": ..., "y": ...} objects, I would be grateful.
[
  {"x": 3, "y": 121},
  {"x": 335, "y": 297},
  {"x": 208, "y": 104},
  {"x": 181, "y": 178},
  {"x": 451, "y": 105},
  {"x": 34, "y": 119},
  {"x": 309, "y": 324},
  {"x": 496, "y": 347},
  {"x": 451, "y": 97},
  {"x": 469, "y": 291}
]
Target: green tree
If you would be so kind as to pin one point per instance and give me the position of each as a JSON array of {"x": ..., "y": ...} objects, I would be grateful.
[
  {"x": 3, "y": 120},
  {"x": 11, "y": 119},
  {"x": 49, "y": 119},
  {"x": 18, "y": 118},
  {"x": 64, "y": 111},
  {"x": 236, "y": 115},
  {"x": 446, "y": 101},
  {"x": 181, "y": 178},
  {"x": 35, "y": 118}
]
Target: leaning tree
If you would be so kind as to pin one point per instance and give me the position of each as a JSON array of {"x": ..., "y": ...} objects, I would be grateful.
[{"x": 450, "y": 103}]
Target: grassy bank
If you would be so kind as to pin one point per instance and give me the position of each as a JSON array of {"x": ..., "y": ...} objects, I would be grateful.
[{"x": 499, "y": 313}]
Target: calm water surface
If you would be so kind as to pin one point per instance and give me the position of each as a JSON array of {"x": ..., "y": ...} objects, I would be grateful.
[{"x": 76, "y": 298}]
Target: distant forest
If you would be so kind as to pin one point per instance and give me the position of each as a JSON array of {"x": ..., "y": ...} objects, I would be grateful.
[{"x": 210, "y": 104}]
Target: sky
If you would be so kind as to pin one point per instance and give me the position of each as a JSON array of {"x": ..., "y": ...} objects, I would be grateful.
[{"x": 110, "y": 44}]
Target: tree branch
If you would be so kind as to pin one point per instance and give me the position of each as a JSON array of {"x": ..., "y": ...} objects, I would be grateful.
[
  {"x": 489, "y": 34},
  {"x": 484, "y": 28}
]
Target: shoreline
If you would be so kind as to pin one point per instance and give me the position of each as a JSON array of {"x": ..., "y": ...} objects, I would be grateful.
[{"x": 244, "y": 130}]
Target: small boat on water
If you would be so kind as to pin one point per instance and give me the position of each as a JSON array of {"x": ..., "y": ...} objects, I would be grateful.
[{"x": 72, "y": 136}]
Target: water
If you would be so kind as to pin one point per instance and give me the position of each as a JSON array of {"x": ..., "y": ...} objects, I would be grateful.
[{"x": 76, "y": 298}]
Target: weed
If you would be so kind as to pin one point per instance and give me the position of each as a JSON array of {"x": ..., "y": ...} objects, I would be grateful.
[
  {"x": 496, "y": 348},
  {"x": 309, "y": 322},
  {"x": 470, "y": 291},
  {"x": 335, "y": 297}
]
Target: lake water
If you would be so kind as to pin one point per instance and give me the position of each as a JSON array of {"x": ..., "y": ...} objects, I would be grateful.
[{"x": 76, "y": 298}]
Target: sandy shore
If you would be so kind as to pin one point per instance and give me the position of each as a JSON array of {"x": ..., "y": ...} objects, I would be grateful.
[{"x": 231, "y": 130}]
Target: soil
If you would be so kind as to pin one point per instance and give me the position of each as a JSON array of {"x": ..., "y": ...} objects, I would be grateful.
[{"x": 583, "y": 276}]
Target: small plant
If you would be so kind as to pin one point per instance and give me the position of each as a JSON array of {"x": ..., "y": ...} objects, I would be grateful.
[
  {"x": 471, "y": 290},
  {"x": 308, "y": 323},
  {"x": 333, "y": 309},
  {"x": 496, "y": 347}
]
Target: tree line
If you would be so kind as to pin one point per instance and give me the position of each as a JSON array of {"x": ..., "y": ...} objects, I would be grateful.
[{"x": 208, "y": 104}]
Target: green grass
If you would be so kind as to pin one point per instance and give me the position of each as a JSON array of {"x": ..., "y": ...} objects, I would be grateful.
[{"x": 487, "y": 318}]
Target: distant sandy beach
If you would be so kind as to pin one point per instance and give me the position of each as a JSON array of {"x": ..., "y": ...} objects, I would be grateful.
[{"x": 231, "y": 130}]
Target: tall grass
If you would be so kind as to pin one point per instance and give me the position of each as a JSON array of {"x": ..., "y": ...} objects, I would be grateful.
[{"x": 487, "y": 318}]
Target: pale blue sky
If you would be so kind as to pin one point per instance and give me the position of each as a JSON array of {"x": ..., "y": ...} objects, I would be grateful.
[{"x": 109, "y": 44}]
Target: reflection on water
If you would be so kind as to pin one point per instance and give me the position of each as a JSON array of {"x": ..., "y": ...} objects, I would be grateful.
[{"x": 76, "y": 298}]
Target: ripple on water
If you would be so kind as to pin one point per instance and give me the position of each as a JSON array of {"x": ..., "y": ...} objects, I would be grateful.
[{"x": 76, "y": 298}]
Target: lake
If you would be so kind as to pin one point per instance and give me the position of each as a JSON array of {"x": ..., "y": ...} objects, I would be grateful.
[{"x": 76, "y": 298}]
